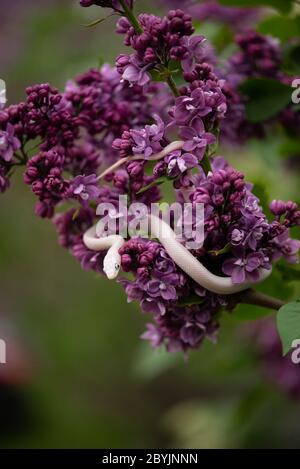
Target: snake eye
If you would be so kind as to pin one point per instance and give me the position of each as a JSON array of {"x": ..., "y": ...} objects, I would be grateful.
[{"x": 117, "y": 266}]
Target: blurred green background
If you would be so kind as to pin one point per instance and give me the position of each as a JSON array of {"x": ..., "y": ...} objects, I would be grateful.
[{"x": 79, "y": 376}]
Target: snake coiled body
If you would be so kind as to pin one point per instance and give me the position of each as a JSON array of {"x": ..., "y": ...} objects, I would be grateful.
[{"x": 182, "y": 257}]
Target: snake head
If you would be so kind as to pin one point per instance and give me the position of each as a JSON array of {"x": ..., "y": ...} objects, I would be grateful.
[
  {"x": 111, "y": 267},
  {"x": 2, "y": 94}
]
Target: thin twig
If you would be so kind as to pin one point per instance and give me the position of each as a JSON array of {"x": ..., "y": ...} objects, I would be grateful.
[{"x": 252, "y": 297}]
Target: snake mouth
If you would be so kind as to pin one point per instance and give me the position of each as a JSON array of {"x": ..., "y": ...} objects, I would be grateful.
[{"x": 110, "y": 274}]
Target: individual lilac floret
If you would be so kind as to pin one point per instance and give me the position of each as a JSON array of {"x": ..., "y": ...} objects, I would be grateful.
[
  {"x": 197, "y": 139},
  {"x": 146, "y": 141},
  {"x": 195, "y": 51},
  {"x": 204, "y": 100},
  {"x": 133, "y": 70},
  {"x": 286, "y": 247},
  {"x": 189, "y": 107},
  {"x": 85, "y": 187},
  {"x": 246, "y": 268},
  {"x": 178, "y": 163},
  {"x": 9, "y": 143}
]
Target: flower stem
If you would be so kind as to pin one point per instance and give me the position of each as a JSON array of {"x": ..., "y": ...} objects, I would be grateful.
[
  {"x": 131, "y": 17},
  {"x": 252, "y": 297},
  {"x": 205, "y": 163},
  {"x": 173, "y": 86}
]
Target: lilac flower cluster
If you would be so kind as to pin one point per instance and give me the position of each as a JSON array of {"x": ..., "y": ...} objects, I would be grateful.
[
  {"x": 161, "y": 41},
  {"x": 145, "y": 141},
  {"x": 210, "y": 10},
  {"x": 108, "y": 107},
  {"x": 203, "y": 98},
  {"x": 159, "y": 286},
  {"x": 259, "y": 57},
  {"x": 239, "y": 242},
  {"x": 70, "y": 226},
  {"x": 201, "y": 106},
  {"x": 44, "y": 175},
  {"x": 236, "y": 224},
  {"x": 74, "y": 131}
]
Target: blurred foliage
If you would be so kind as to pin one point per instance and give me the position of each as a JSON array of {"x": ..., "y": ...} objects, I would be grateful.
[{"x": 91, "y": 382}]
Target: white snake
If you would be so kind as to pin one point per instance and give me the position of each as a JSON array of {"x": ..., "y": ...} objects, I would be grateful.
[
  {"x": 3, "y": 99},
  {"x": 159, "y": 229}
]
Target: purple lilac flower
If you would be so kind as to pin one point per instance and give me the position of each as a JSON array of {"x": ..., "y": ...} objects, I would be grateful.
[
  {"x": 178, "y": 162},
  {"x": 246, "y": 268},
  {"x": 147, "y": 141},
  {"x": 238, "y": 19},
  {"x": 109, "y": 108},
  {"x": 133, "y": 70},
  {"x": 284, "y": 246},
  {"x": 189, "y": 107},
  {"x": 154, "y": 335},
  {"x": 100, "y": 118},
  {"x": 194, "y": 51},
  {"x": 235, "y": 129},
  {"x": 158, "y": 285},
  {"x": 44, "y": 175},
  {"x": 249, "y": 232},
  {"x": 85, "y": 187},
  {"x": 9, "y": 143},
  {"x": 183, "y": 328},
  {"x": 259, "y": 56},
  {"x": 72, "y": 224},
  {"x": 197, "y": 139},
  {"x": 161, "y": 40}
]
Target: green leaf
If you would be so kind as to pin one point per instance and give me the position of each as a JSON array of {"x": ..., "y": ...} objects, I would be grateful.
[
  {"x": 267, "y": 97},
  {"x": 289, "y": 274},
  {"x": 156, "y": 182},
  {"x": 282, "y": 27},
  {"x": 288, "y": 324},
  {"x": 291, "y": 60},
  {"x": 282, "y": 5}
]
